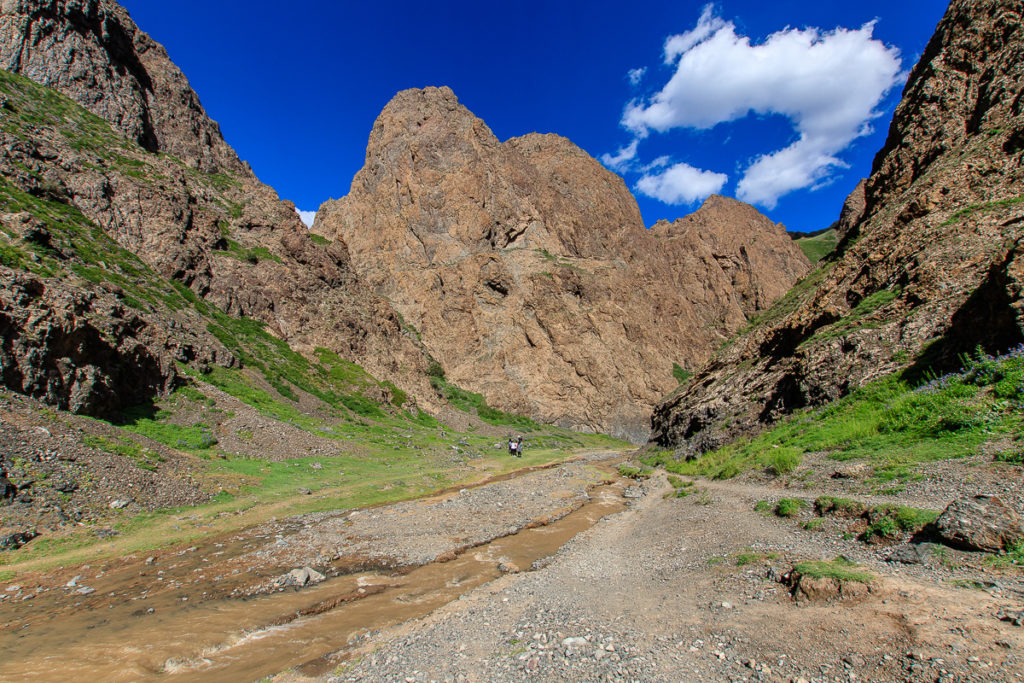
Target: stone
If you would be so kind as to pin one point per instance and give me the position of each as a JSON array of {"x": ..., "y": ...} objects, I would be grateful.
[
  {"x": 17, "y": 539},
  {"x": 825, "y": 589},
  {"x": 118, "y": 504},
  {"x": 574, "y": 642},
  {"x": 983, "y": 523},
  {"x": 1015, "y": 617},
  {"x": 633, "y": 492},
  {"x": 299, "y": 577},
  {"x": 905, "y": 554}
]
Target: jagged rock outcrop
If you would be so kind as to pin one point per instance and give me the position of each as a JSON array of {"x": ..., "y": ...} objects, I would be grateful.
[
  {"x": 526, "y": 268},
  {"x": 86, "y": 351},
  {"x": 201, "y": 220},
  {"x": 853, "y": 211},
  {"x": 92, "y": 51},
  {"x": 934, "y": 262}
]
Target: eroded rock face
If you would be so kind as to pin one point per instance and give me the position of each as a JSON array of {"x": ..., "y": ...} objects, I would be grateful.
[
  {"x": 86, "y": 352},
  {"x": 935, "y": 257},
  {"x": 527, "y": 270},
  {"x": 201, "y": 220},
  {"x": 92, "y": 51}
]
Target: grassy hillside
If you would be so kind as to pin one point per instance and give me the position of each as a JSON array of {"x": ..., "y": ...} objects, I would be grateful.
[
  {"x": 816, "y": 245},
  {"x": 892, "y": 424}
]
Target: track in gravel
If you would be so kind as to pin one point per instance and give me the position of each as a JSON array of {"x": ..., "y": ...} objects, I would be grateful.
[{"x": 656, "y": 593}]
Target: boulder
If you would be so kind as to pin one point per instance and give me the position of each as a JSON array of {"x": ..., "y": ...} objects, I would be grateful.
[
  {"x": 980, "y": 523},
  {"x": 299, "y": 577},
  {"x": 822, "y": 589}
]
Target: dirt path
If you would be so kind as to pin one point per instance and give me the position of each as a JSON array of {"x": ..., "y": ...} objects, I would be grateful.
[{"x": 656, "y": 594}]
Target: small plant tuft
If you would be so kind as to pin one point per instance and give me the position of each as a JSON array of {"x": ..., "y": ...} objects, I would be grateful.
[
  {"x": 789, "y": 507},
  {"x": 840, "y": 569}
]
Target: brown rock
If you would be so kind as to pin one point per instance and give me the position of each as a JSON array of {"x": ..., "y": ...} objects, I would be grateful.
[
  {"x": 224, "y": 235},
  {"x": 940, "y": 240},
  {"x": 93, "y": 52},
  {"x": 526, "y": 269},
  {"x": 980, "y": 523},
  {"x": 853, "y": 211}
]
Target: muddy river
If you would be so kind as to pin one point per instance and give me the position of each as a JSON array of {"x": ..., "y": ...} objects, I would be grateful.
[{"x": 134, "y": 621}]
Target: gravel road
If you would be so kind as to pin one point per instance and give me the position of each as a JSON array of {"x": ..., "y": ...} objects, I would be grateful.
[{"x": 659, "y": 593}]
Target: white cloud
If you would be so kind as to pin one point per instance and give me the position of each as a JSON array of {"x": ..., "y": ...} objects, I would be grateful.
[
  {"x": 636, "y": 75},
  {"x": 827, "y": 83},
  {"x": 681, "y": 184},
  {"x": 307, "y": 217},
  {"x": 657, "y": 163},
  {"x": 622, "y": 159},
  {"x": 706, "y": 25}
]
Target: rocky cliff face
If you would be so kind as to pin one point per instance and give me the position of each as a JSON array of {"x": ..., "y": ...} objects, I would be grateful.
[
  {"x": 105, "y": 211},
  {"x": 931, "y": 269},
  {"x": 526, "y": 269},
  {"x": 92, "y": 51}
]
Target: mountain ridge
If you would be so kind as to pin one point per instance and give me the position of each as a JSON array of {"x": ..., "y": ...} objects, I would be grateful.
[{"x": 526, "y": 268}]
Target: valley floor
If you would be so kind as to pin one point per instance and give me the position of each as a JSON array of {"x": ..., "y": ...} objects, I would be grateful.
[
  {"x": 678, "y": 589},
  {"x": 568, "y": 572}
]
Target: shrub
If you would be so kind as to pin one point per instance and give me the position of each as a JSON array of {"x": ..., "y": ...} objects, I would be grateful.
[
  {"x": 887, "y": 521},
  {"x": 789, "y": 507},
  {"x": 844, "y": 507},
  {"x": 631, "y": 471},
  {"x": 1014, "y": 456},
  {"x": 681, "y": 374}
]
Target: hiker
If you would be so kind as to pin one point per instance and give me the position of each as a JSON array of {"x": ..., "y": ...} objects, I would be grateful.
[
  {"x": 519, "y": 447},
  {"x": 511, "y": 446}
]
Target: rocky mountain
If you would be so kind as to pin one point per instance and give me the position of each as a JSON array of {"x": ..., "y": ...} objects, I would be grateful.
[
  {"x": 133, "y": 237},
  {"x": 527, "y": 272},
  {"x": 91, "y": 51},
  {"x": 930, "y": 270}
]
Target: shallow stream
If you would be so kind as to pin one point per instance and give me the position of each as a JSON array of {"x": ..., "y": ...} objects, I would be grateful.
[{"x": 175, "y": 623}]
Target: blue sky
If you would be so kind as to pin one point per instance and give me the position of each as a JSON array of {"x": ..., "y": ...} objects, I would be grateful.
[{"x": 773, "y": 102}]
